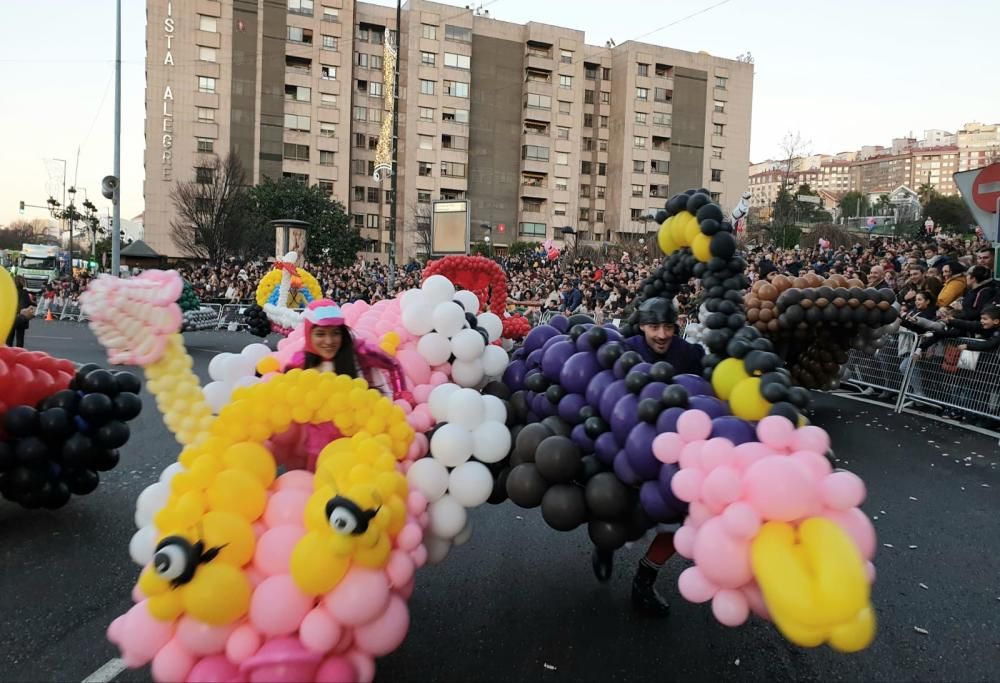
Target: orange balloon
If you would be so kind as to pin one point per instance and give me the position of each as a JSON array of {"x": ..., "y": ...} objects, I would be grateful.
[{"x": 768, "y": 292}]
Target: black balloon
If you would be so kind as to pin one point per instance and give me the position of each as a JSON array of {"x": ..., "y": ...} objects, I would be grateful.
[
  {"x": 499, "y": 493},
  {"x": 67, "y": 398},
  {"x": 649, "y": 409},
  {"x": 100, "y": 381},
  {"x": 528, "y": 440},
  {"x": 81, "y": 482},
  {"x": 55, "y": 493},
  {"x": 105, "y": 459},
  {"x": 595, "y": 426},
  {"x": 127, "y": 406},
  {"x": 77, "y": 452},
  {"x": 86, "y": 369},
  {"x": 497, "y": 388},
  {"x": 536, "y": 382},
  {"x": 127, "y": 381},
  {"x": 674, "y": 396},
  {"x": 96, "y": 408},
  {"x": 526, "y": 486},
  {"x": 31, "y": 451},
  {"x": 629, "y": 360},
  {"x": 576, "y": 332},
  {"x": 558, "y": 459},
  {"x": 590, "y": 467},
  {"x": 555, "y": 394},
  {"x": 563, "y": 507},
  {"x": 596, "y": 336},
  {"x": 114, "y": 434},
  {"x": 557, "y": 425},
  {"x": 609, "y": 353},
  {"x": 662, "y": 371},
  {"x": 7, "y": 458},
  {"x": 723, "y": 245},
  {"x": 607, "y": 535},
  {"x": 587, "y": 412},
  {"x": 21, "y": 421},
  {"x": 55, "y": 424},
  {"x": 635, "y": 381},
  {"x": 607, "y": 497}
]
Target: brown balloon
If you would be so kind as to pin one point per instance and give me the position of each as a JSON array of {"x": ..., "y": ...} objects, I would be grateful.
[
  {"x": 853, "y": 303},
  {"x": 800, "y": 283},
  {"x": 767, "y": 292},
  {"x": 773, "y": 325},
  {"x": 760, "y": 325},
  {"x": 822, "y": 303},
  {"x": 806, "y": 303},
  {"x": 854, "y": 282},
  {"x": 884, "y": 305},
  {"x": 781, "y": 282},
  {"x": 753, "y": 314},
  {"x": 814, "y": 280},
  {"x": 769, "y": 305},
  {"x": 869, "y": 304},
  {"x": 839, "y": 302},
  {"x": 766, "y": 315},
  {"x": 753, "y": 302}
]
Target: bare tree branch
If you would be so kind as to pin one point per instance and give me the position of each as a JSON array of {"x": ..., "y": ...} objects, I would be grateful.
[{"x": 211, "y": 214}]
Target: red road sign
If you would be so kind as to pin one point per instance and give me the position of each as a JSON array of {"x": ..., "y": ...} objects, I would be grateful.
[
  {"x": 986, "y": 188},
  {"x": 501, "y": 228}
]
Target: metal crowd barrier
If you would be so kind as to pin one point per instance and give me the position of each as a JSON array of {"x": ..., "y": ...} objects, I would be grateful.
[
  {"x": 965, "y": 381},
  {"x": 886, "y": 369},
  {"x": 230, "y": 314}
]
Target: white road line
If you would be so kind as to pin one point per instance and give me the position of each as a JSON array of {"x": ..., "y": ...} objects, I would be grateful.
[
  {"x": 106, "y": 673},
  {"x": 41, "y": 336}
]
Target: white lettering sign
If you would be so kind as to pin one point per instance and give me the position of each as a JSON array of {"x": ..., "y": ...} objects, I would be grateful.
[{"x": 167, "y": 141}]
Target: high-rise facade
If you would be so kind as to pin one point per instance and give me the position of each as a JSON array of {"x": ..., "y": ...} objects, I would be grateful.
[{"x": 537, "y": 129}]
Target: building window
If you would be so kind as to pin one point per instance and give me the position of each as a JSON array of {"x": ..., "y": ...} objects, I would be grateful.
[
  {"x": 585, "y": 191},
  {"x": 663, "y": 95},
  {"x": 637, "y": 190},
  {"x": 296, "y": 152},
  {"x": 327, "y": 130},
  {"x": 205, "y": 145},
  {"x": 454, "y": 142},
  {"x": 635, "y": 214},
  {"x": 426, "y": 114},
  {"x": 640, "y": 118},
  {"x": 586, "y": 168},
  {"x": 361, "y": 113},
  {"x": 428, "y": 58},
  {"x": 206, "y": 84},
  {"x": 208, "y": 54},
  {"x": 642, "y": 94},
  {"x": 372, "y": 195},
  {"x": 534, "y": 101},
  {"x": 562, "y": 183},
  {"x": 602, "y": 145},
  {"x": 456, "y": 88},
  {"x": 588, "y": 96},
  {"x": 297, "y": 122},
  {"x": 375, "y": 89},
  {"x": 662, "y": 119},
  {"x": 590, "y": 72},
  {"x": 207, "y": 24},
  {"x": 605, "y": 97},
  {"x": 717, "y": 152},
  {"x": 375, "y": 62},
  {"x": 721, "y": 82},
  {"x": 205, "y": 114},
  {"x": 562, "y": 158},
  {"x": 532, "y": 205},
  {"x": 720, "y": 107},
  {"x": 588, "y": 120},
  {"x": 300, "y": 7},
  {"x": 535, "y": 153},
  {"x": 716, "y": 175},
  {"x": 606, "y": 74},
  {"x": 424, "y": 168},
  {"x": 358, "y": 166},
  {"x": 532, "y": 229},
  {"x": 565, "y": 81},
  {"x": 423, "y": 197},
  {"x": 604, "y": 121},
  {"x": 565, "y": 107},
  {"x": 327, "y": 100},
  {"x": 329, "y": 42},
  {"x": 375, "y": 115},
  {"x": 718, "y": 129},
  {"x": 455, "y": 115},
  {"x": 639, "y": 142},
  {"x": 328, "y": 73},
  {"x": 643, "y": 69},
  {"x": 425, "y": 142},
  {"x": 331, "y": 14},
  {"x": 459, "y": 34},
  {"x": 326, "y": 187},
  {"x": 300, "y": 35},
  {"x": 203, "y": 175},
  {"x": 659, "y": 166},
  {"x": 361, "y": 59},
  {"x": 599, "y": 192},
  {"x": 456, "y": 61},
  {"x": 588, "y": 144},
  {"x": 562, "y": 132},
  {"x": 566, "y": 56},
  {"x": 602, "y": 169},
  {"x": 584, "y": 214},
  {"x": 359, "y": 220},
  {"x": 534, "y": 179},
  {"x": 297, "y": 93},
  {"x": 429, "y": 32},
  {"x": 559, "y": 208},
  {"x": 716, "y": 196},
  {"x": 426, "y": 87},
  {"x": 362, "y": 34},
  {"x": 326, "y": 158},
  {"x": 359, "y": 193},
  {"x": 638, "y": 166},
  {"x": 372, "y": 221}
]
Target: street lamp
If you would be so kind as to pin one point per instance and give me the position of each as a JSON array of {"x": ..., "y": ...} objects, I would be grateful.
[
  {"x": 488, "y": 230},
  {"x": 566, "y": 231},
  {"x": 69, "y": 214}
]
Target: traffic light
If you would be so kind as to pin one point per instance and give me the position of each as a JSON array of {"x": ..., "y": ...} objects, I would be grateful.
[{"x": 22, "y": 208}]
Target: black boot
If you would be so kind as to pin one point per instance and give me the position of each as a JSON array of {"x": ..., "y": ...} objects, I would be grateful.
[
  {"x": 603, "y": 561},
  {"x": 645, "y": 599}
]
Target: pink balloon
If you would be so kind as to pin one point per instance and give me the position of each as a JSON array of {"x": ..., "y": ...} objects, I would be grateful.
[
  {"x": 380, "y": 637},
  {"x": 776, "y": 431},
  {"x": 721, "y": 487},
  {"x": 691, "y": 455},
  {"x": 684, "y": 541},
  {"x": 258, "y": 527},
  {"x": 698, "y": 513},
  {"x": 253, "y": 575},
  {"x": 843, "y": 490},
  {"x": 403, "y": 405},
  {"x": 400, "y": 568},
  {"x": 715, "y": 453},
  {"x": 419, "y": 555},
  {"x": 295, "y": 479},
  {"x": 444, "y": 369},
  {"x": 755, "y": 599},
  {"x": 336, "y": 670},
  {"x": 274, "y": 549},
  {"x": 242, "y": 644},
  {"x": 138, "y": 635},
  {"x": 747, "y": 454},
  {"x": 319, "y": 631},
  {"x": 422, "y": 393},
  {"x": 286, "y": 507},
  {"x": 172, "y": 663},
  {"x": 364, "y": 665},
  {"x": 419, "y": 446},
  {"x": 730, "y": 607},
  {"x": 740, "y": 520},
  {"x": 856, "y": 524},
  {"x": 214, "y": 669},
  {"x": 723, "y": 559},
  {"x": 686, "y": 484},
  {"x": 137, "y": 594},
  {"x": 416, "y": 368},
  {"x": 360, "y": 597},
  {"x": 667, "y": 447},
  {"x": 694, "y": 425},
  {"x": 779, "y": 489},
  {"x": 817, "y": 465},
  {"x": 694, "y": 587},
  {"x": 200, "y": 638},
  {"x": 409, "y": 537},
  {"x": 278, "y": 606},
  {"x": 438, "y": 377},
  {"x": 281, "y": 660},
  {"x": 870, "y": 572},
  {"x": 812, "y": 438},
  {"x": 416, "y": 502}
]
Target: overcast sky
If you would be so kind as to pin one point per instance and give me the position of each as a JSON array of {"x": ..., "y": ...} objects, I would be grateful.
[{"x": 843, "y": 73}]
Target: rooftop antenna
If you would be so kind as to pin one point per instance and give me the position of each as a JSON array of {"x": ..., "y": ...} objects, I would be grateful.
[{"x": 610, "y": 44}]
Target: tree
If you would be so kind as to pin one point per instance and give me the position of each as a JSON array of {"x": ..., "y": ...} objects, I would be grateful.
[
  {"x": 25, "y": 232},
  {"x": 925, "y": 193},
  {"x": 854, "y": 204},
  {"x": 837, "y": 235},
  {"x": 331, "y": 237},
  {"x": 950, "y": 212},
  {"x": 212, "y": 214},
  {"x": 884, "y": 205},
  {"x": 419, "y": 226},
  {"x": 792, "y": 148}
]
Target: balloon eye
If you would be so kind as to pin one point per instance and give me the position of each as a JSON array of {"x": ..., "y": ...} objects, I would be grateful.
[
  {"x": 343, "y": 521},
  {"x": 171, "y": 561}
]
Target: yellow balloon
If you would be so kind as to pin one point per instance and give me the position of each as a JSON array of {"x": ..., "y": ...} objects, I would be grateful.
[
  {"x": 268, "y": 364},
  {"x": 219, "y": 594},
  {"x": 664, "y": 239},
  {"x": 230, "y": 532},
  {"x": 237, "y": 491},
  {"x": 315, "y": 565},
  {"x": 691, "y": 229},
  {"x": 746, "y": 402},
  {"x": 726, "y": 376},
  {"x": 701, "y": 247}
]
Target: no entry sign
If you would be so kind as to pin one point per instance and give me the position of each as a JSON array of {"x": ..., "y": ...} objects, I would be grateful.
[
  {"x": 980, "y": 189},
  {"x": 986, "y": 188}
]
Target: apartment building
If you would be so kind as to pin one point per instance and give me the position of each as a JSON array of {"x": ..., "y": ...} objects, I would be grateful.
[{"x": 536, "y": 128}]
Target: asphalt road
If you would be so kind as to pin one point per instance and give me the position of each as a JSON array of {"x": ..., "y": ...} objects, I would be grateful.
[{"x": 519, "y": 602}]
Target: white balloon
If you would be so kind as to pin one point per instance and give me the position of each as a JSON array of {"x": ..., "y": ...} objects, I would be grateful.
[
  {"x": 470, "y": 484},
  {"x": 495, "y": 361},
  {"x": 468, "y": 345},
  {"x": 411, "y": 297},
  {"x": 428, "y": 476},
  {"x": 435, "y": 348},
  {"x": 246, "y": 381},
  {"x": 494, "y": 409},
  {"x": 151, "y": 500},
  {"x": 437, "y": 548},
  {"x": 451, "y": 445},
  {"x": 236, "y": 367},
  {"x": 143, "y": 545},
  {"x": 464, "y": 535},
  {"x": 469, "y": 301},
  {"x": 438, "y": 400},
  {"x": 216, "y": 365},
  {"x": 447, "y": 517},
  {"x": 417, "y": 319},
  {"x": 492, "y": 324},
  {"x": 465, "y": 407},
  {"x": 507, "y": 345},
  {"x": 171, "y": 471},
  {"x": 491, "y": 441},
  {"x": 448, "y": 318},
  {"x": 217, "y": 395},
  {"x": 255, "y": 352},
  {"x": 438, "y": 288},
  {"x": 467, "y": 373}
]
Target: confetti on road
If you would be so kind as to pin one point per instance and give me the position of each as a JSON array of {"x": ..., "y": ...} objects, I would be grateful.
[
  {"x": 924, "y": 586},
  {"x": 913, "y": 547},
  {"x": 912, "y": 498},
  {"x": 921, "y": 631},
  {"x": 985, "y": 486},
  {"x": 888, "y": 545},
  {"x": 552, "y": 668},
  {"x": 737, "y": 662}
]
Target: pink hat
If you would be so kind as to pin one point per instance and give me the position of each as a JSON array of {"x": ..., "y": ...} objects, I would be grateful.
[{"x": 321, "y": 313}]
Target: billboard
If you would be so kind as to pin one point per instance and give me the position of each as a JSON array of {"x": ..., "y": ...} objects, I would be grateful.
[{"x": 450, "y": 227}]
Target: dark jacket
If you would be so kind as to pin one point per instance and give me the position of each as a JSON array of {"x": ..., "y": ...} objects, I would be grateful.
[
  {"x": 986, "y": 340},
  {"x": 685, "y": 357},
  {"x": 976, "y": 299},
  {"x": 571, "y": 300},
  {"x": 23, "y": 301}
]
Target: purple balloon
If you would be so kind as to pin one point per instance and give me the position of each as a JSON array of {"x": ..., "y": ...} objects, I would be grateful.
[
  {"x": 611, "y": 395},
  {"x": 569, "y": 408},
  {"x": 555, "y": 357},
  {"x": 538, "y": 336},
  {"x": 560, "y": 322},
  {"x": 613, "y": 333},
  {"x": 654, "y": 505},
  {"x": 695, "y": 385},
  {"x": 667, "y": 421},
  {"x": 530, "y": 417},
  {"x": 733, "y": 428},
  {"x": 606, "y": 448},
  {"x": 578, "y": 371},
  {"x": 623, "y": 470},
  {"x": 597, "y": 385},
  {"x": 513, "y": 376},
  {"x": 520, "y": 353},
  {"x": 540, "y": 404},
  {"x": 639, "y": 448},
  {"x": 580, "y": 438},
  {"x": 642, "y": 367},
  {"x": 554, "y": 340},
  {"x": 534, "y": 359},
  {"x": 667, "y": 473},
  {"x": 709, "y": 404},
  {"x": 624, "y": 416},
  {"x": 652, "y": 390}
]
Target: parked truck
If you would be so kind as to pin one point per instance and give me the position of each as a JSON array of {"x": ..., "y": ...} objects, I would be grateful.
[{"x": 38, "y": 264}]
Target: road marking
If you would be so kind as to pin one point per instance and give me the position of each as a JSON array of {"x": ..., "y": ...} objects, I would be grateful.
[
  {"x": 106, "y": 673},
  {"x": 41, "y": 336}
]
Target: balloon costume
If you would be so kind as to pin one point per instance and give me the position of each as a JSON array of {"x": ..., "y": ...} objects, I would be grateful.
[{"x": 251, "y": 576}]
